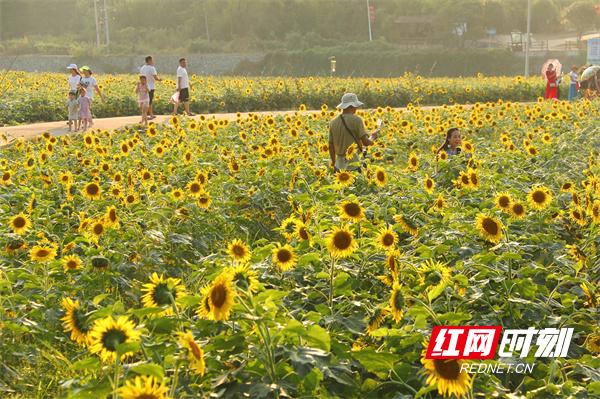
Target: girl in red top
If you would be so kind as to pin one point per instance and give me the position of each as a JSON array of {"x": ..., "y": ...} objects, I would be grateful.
[{"x": 551, "y": 91}]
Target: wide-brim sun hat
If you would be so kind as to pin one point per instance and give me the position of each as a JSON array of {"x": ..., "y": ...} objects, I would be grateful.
[
  {"x": 349, "y": 100},
  {"x": 72, "y": 66}
]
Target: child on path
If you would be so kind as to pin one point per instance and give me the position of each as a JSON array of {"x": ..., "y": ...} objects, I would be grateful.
[
  {"x": 84, "y": 109},
  {"x": 143, "y": 97},
  {"x": 73, "y": 106}
]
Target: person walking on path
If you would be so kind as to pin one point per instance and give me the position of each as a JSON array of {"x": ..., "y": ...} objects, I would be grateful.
[
  {"x": 345, "y": 130},
  {"x": 143, "y": 97},
  {"x": 552, "y": 83},
  {"x": 183, "y": 88},
  {"x": 89, "y": 83},
  {"x": 573, "y": 86},
  {"x": 73, "y": 107},
  {"x": 149, "y": 72},
  {"x": 85, "y": 105},
  {"x": 74, "y": 77}
]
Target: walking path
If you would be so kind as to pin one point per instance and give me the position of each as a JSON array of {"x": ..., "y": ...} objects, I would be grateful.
[{"x": 61, "y": 128}]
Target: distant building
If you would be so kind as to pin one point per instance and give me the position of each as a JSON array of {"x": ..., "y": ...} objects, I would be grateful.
[{"x": 417, "y": 30}]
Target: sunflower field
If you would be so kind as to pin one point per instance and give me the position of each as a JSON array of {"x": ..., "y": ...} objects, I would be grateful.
[
  {"x": 41, "y": 95},
  {"x": 208, "y": 258}
]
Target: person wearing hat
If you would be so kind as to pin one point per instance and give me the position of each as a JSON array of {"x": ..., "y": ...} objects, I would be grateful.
[
  {"x": 74, "y": 77},
  {"x": 89, "y": 83},
  {"x": 347, "y": 129}
]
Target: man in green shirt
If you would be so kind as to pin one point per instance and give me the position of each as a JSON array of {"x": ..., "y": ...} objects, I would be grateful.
[{"x": 347, "y": 129}]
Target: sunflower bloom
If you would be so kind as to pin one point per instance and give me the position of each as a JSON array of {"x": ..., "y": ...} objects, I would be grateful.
[
  {"x": 449, "y": 375},
  {"x": 74, "y": 321},
  {"x": 489, "y": 228},
  {"x": 429, "y": 185},
  {"x": 220, "y": 297},
  {"x": 375, "y": 319},
  {"x": 387, "y": 238},
  {"x": 92, "y": 191},
  {"x": 397, "y": 302},
  {"x": 539, "y": 198},
  {"x": 340, "y": 243},
  {"x": 517, "y": 210},
  {"x": 143, "y": 387},
  {"x": 577, "y": 216},
  {"x": 42, "y": 253},
  {"x": 239, "y": 251},
  {"x": 344, "y": 178},
  {"x": 351, "y": 211},
  {"x": 195, "y": 352},
  {"x": 283, "y": 257},
  {"x": 381, "y": 178},
  {"x": 161, "y": 292},
  {"x": 503, "y": 201},
  {"x": 20, "y": 223},
  {"x": 413, "y": 162},
  {"x": 108, "y": 333},
  {"x": 71, "y": 262}
]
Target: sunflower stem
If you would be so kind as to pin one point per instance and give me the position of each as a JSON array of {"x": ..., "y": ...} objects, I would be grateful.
[
  {"x": 331, "y": 276},
  {"x": 116, "y": 377},
  {"x": 175, "y": 379}
]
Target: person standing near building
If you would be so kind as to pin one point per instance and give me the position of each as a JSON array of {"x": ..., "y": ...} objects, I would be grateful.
[
  {"x": 347, "y": 129},
  {"x": 149, "y": 72},
  {"x": 183, "y": 87}
]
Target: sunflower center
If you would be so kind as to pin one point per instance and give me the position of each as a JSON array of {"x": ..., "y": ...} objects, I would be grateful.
[
  {"x": 344, "y": 177},
  {"x": 429, "y": 183},
  {"x": 98, "y": 229},
  {"x": 92, "y": 189},
  {"x": 380, "y": 176},
  {"x": 238, "y": 250},
  {"x": 72, "y": 264},
  {"x": 342, "y": 240},
  {"x": 465, "y": 179},
  {"x": 577, "y": 215},
  {"x": 112, "y": 215},
  {"x": 413, "y": 161},
  {"x": 447, "y": 369},
  {"x": 195, "y": 350},
  {"x": 518, "y": 209},
  {"x": 195, "y": 187},
  {"x": 352, "y": 209},
  {"x": 387, "y": 240},
  {"x": 539, "y": 197},
  {"x": 489, "y": 226},
  {"x": 19, "y": 222},
  {"x": 112, "y": 338},
  {"x": 503, "y": 201},
  {"x": 283, "y": 255},
  {"x": 218, "y": 295},
  {"x": 42, "y": 253}
]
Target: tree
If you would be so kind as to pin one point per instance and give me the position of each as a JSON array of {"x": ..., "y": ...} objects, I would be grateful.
[
  {"x": 544, "y": 15},
  {"x": 580, "y": 16}
]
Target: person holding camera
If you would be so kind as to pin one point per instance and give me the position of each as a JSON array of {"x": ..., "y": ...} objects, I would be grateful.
[{"x": 347, "y": 129}]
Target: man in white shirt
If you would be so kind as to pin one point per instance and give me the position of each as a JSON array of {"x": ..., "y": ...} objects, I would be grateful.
[
  {"x": 149, "y": 72},
  {"x": 183, "y": 87}
]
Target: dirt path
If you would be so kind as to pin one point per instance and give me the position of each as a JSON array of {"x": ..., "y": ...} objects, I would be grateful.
[{"x": 61, "y": 128}]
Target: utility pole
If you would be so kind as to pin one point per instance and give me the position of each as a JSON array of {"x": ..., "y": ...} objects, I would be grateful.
[
  {"x": 369, "y": 17},
  {"x": 106, "y": 26},
  {"x": 206, "y": 22},
  {"x": 527, "y": 38},
  {"x": 97, "y": 25}
]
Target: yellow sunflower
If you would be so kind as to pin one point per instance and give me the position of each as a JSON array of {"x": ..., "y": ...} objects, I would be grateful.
[
  {"x": 429, "y": 185},
  {"x": 239, "y": 251},
  {"x": 489, "y": 228},
  {"x": 71, "y": 262},
  {"x": 92, "y": 191},
  {"x": 74, "y": 321},
  {"x": 194, "y": 188},
  {"x": 448, "y": 374},
  {"x": 503, "y": 201},
  {"x": 243, "y": 277},
  {"x": 577, "y": 216},
  {"x": 594, "y": 211},
  {"x": 539, "y": 198},
  {"x": 381, "y": 178},
  {"x": 351, "y": 151},
  {"x": 397, "y": 302},
  {"x": 567, "y": 187},
  {"x": 161, "y": 292},
  {"x": 195, "y": 354},
  {"x": 111, "y": 218},
  {"x": 440, "y": 202},
  {"x": 517, "y": 210},
  {"x": 344, "y": 178},
  {"x": 20, "y": 223},
  {"x": 283, "y": 257},
  {"x": 351, "y": 211},
  {"x": 340, "y": 242},
  {"x": 220, "y": 297},
  {"x": 97, "y": 228},
  {"x": 143, "y": 387},
  {"x": 467, "y": 147},
  {"x": 108, "y": 333},
  {"x": 204, "y": 200},
  {"x": 407, "y": 224},
  {"x": 413, "y": 162},
  {"x": 43, "y": 253},
  {"x": 375, "y": 319},
  {"x": 387, "y": 238}
]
